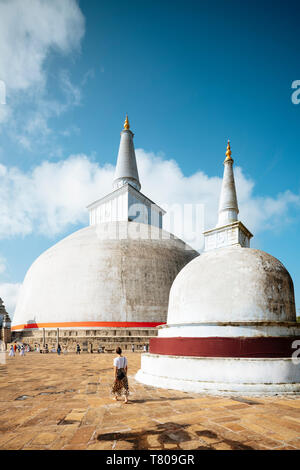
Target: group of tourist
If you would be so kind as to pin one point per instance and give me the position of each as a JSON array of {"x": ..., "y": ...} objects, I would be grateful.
[
  {"x": 145, "y": 347},
  {"x": 20, "y": 348}
]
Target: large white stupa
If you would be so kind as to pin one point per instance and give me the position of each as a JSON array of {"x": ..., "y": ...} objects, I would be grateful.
[
  {"x": 231, "y": 324},
  {"x": 109, "y": 279}
]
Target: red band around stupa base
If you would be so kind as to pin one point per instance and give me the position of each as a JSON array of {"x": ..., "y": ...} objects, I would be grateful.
[
  {"x": 226, "y": 347},
  {"x": 88, "y": 324}
]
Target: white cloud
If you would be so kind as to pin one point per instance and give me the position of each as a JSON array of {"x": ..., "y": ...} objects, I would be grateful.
[
  {"x": 29, "y": 31},
  {"x": 52, "y": 197},
  {"x": 9, "y": 294},
  {"x": 162, "y": 180},
  {"x": 72, "y": 92},
  {"x": 2, "y": 264}
]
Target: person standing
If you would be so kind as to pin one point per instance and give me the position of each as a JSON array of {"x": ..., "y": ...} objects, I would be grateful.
[
  {"x": 132, "y": 348},
  {"x": 58, "y": 349},
  {"x": 78, "y": 349},
  {"x": 22, "y": 351},
  {"x": 11, "y": 352},
  {"x": 120, "y": 385}
]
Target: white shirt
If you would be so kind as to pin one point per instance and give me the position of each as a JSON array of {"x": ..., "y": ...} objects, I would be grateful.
[{"x": 120, "y": 362}]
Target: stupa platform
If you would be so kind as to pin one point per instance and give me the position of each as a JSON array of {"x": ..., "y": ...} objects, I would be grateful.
[
  {"x": 63, "y": 402},
  {"x": 107, "y": 338}
]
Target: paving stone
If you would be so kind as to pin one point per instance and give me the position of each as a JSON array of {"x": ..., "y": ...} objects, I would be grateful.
[
  {"x": 68, "y": 408},
  {"x": 189, "y": 445},
  {"x": 226, "y": 419},
  {"x": 294, "y": 443},
  {"x": 100, "y": 446},
  {"x": 6, "y": 437},
  {"x": 153, "y": 440},
  {"x": 74, "y": 447},
  {"x": 287, "y": 448},
  {"x": 222, "y": 446},
  {"x": 82, "y": 435},
  {"x": 44, "y": 438},
  {"x": 170, "y": 446},
  {"x": 19, "y": 441},
  {"x": 124, "y": 445},
  {"x": 233, "y": 427},
  {"x": 252, "y": 445},
  {"x": 34, "y": 448}
]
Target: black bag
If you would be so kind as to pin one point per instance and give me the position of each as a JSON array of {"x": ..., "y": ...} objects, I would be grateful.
[{"x": 120, "y": 374}]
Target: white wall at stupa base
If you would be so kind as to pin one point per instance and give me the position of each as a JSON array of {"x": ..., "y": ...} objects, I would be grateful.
[
  {"x": 221, "y": 376},
  {"x": 229, "y": 330}
]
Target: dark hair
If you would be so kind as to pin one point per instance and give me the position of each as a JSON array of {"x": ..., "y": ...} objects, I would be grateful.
[{"x": 119, "y": 350}]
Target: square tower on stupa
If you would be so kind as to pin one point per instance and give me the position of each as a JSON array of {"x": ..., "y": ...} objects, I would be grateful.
[{"x": 126, "y": 203}]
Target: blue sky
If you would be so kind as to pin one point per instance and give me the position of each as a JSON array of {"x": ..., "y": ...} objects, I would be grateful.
[{"x": 189, "y": 74}]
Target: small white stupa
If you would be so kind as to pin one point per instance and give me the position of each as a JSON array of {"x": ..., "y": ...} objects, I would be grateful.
[{"x": 231, "y": 325}]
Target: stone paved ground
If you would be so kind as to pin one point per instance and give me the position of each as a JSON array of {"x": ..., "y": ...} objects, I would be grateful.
[{"x": 63, "y": 402}]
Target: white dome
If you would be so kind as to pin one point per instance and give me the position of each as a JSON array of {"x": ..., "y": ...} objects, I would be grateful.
[
  {"x": 93, "y": 276},
  {"x": 232, "y": 285}
]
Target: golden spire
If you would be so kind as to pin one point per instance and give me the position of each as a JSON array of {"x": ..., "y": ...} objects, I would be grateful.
[
  {"x": 126, "y": 123},
  {"x": 228, "y": 152}
]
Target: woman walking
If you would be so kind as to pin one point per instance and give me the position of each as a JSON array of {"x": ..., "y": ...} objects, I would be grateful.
[
  {"x": 11, "y": 351},
  {"x": 22, "y": 351},
  {"x": 120, "y": 385}
]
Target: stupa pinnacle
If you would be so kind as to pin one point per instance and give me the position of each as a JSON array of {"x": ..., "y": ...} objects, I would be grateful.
[
  {"x": 126, "y": 169},
  {"x": 228, "y": 206},
  {"x": 229, "y": 230}
]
